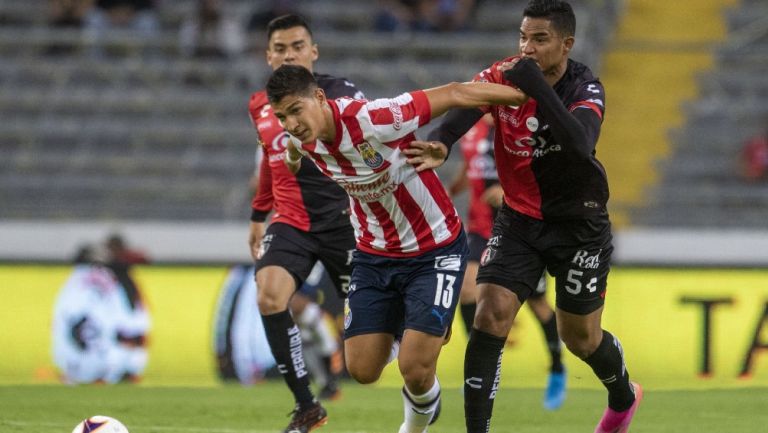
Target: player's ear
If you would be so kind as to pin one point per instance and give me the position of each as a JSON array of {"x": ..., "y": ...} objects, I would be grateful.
[
  {"x": 315, "y": 53},
  {"x": 320, "y": 95},
  {"x": 568, "y": 44}
]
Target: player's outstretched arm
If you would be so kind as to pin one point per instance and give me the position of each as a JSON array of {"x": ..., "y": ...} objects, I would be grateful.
[{"x": 471, "y": 95}]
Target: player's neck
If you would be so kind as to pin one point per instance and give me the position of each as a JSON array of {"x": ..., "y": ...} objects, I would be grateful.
[
  {"x": 553, "y": 75},
  {"x": 328, "y": 133}
]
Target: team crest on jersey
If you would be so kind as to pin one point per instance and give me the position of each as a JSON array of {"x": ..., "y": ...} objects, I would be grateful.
[
  {"x": 488, "y": 254},
  {"x": 371, "y": 157}
]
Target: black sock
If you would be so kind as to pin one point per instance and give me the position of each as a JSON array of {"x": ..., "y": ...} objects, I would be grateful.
[
  {"x": 482, "y": 374},
  {"x": 284, "y": 339},
  {"x": 468, "y": 315},
  {"x": 608, "y": 364},
  {"x": 553, "y": 343}
]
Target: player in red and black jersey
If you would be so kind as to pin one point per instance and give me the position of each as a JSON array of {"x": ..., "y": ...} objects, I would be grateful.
[
  {"x": 310, "y": 223},
  {"x": 554, "y": 214}
]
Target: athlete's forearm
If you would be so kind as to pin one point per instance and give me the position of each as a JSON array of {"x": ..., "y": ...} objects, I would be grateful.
[
  {"x": 567, "y": 129},
  {"x": 455, "y": 124},
  {"x": 471, "y": 95}
]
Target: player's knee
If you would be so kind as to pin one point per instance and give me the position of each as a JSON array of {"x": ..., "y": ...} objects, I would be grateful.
[
  {"x": 363, "y": 373},
  {"x": 579, "y": 343},
  {"x": 418, "y": 379},
  {"x": 271, "y": 302},
  {"x": 496, "y": 321}
]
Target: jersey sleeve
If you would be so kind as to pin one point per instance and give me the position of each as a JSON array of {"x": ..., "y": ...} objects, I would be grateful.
[
  {"x": 391, "y": 119},
  {"x": 590, "y": 95},
  {"x": 490, "y": 75}
]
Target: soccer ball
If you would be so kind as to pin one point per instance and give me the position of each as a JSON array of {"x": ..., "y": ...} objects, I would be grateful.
[{"x": 100, "y": 424}]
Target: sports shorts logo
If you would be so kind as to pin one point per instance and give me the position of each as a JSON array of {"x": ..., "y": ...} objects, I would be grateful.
[
  {"x": 584, "y": 261},
  {"x": 264, "y": 245},
  {"x": 448, "y": 263},
  {"x": 371, "y": 157},
  {"x": 489, "y": 253},
  {"x": 347, "y": 314}
]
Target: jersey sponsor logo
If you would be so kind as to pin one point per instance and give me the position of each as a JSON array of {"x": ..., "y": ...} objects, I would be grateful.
[
  {"x": 371, "y": 157},
  {"x": 369, "y": 192},
  {"x": 280, "y": 142},
  {"x": 448, "y": 263},
  {"x": 508, "y": 118},
  {"x": 532, "y": 124},
  {"x": 494, "y": 241},
  {"x": 584, "y": 261},
  {"x": 397, "y": 115}
]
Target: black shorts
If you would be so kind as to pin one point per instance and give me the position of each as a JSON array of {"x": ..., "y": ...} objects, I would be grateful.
[
  {"x": 576, "y": 252},
  {"x": 297, "y": 251},
  {"x": 477, "y": 244}
]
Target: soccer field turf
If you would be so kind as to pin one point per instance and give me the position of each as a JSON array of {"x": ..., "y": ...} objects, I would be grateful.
[{"x": 263, "y": 408}]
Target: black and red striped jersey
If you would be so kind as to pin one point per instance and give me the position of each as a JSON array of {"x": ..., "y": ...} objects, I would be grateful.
[
  {"x": 309, "y": 200},
  {"x": 541, "y": 177}
]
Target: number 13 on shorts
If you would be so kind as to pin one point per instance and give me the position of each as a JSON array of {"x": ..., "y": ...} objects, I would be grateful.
[{"x": 444, "y": 290}]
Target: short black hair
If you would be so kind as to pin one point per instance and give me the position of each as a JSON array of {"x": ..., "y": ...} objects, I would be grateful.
[
  {"x": 288, "y": 21},
  {"x": 559, "y": 13},
  {"x": 290, "y": 80}
]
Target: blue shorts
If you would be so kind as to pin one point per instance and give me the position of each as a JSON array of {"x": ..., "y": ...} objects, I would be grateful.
[{"x": 388, "y": 295}]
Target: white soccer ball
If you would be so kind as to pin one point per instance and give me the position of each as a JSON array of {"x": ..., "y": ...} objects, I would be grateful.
[{"x": 100, "y": 424}]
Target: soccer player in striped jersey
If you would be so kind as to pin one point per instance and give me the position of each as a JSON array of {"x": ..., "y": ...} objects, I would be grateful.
[
  {"x": 411, "y": 250},
  {"x": 554, "y": 214}
]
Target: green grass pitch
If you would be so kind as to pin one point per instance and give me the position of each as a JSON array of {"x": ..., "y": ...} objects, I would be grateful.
[{"x": 362, "y": 409}]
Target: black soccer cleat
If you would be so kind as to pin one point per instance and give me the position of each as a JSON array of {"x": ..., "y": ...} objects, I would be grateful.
[
  {"x": 330, "y": 391},
  {"x": 306, "y": 418}
]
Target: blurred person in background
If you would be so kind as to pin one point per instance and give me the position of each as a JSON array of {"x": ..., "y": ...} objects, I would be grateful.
[
  {"x": 754, "y": 157},
  {"x": 139, "y": 16},
  {"x": 211, "y": 32},
  {"x": 66, "y": 14},
  {"x": 310, "y": 223},
  {"x": 424, "y": 15},
  {"x": 259, "y": 19},
  {"x": 485, "y": 198},
  {"x": 554, "y": 215},
  {"x": 127, "y": 17},
  {"x": 100, "y": 322}
]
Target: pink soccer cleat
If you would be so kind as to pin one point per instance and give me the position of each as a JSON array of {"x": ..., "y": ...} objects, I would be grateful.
[{"x": 618, "y": 422}]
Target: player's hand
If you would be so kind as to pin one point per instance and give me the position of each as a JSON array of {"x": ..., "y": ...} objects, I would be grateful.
[
  {"x": 523, "y": 73},
  {"x": 493, "y": 195},
  {"x": 255, "y": 233},
  {"x": 292, "y": 158},
  {"x": 424, "y": 155}
]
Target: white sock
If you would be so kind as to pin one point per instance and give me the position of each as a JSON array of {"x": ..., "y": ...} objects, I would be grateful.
[
  {"x": 312, "y": 320},
  {"x": 394, "y": 352},
  {"x": 419, "y": 409}
]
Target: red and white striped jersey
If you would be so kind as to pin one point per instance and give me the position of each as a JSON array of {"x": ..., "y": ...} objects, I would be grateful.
[{"x": 396, "y": 212}]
